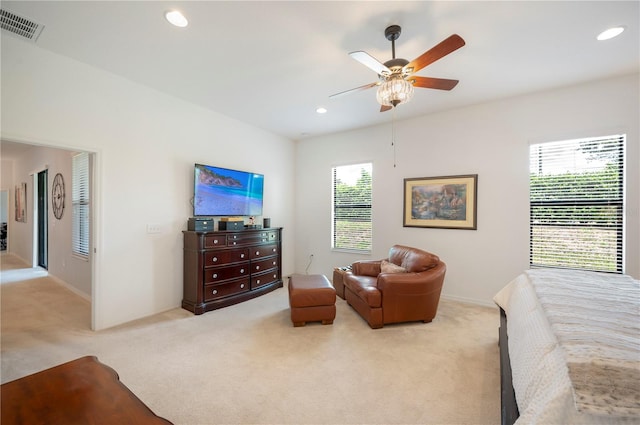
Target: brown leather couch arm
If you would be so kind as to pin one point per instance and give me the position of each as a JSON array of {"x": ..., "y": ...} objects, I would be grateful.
[
  {"x": 407, "y": 294},
  {"x": 404, "y": 283},
  {"x": 366, "y": 268}
]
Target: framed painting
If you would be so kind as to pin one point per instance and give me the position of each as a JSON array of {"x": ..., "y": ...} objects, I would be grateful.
[
  {"x": 21, "y": 203},
  {"x": 448, "y": 202}
]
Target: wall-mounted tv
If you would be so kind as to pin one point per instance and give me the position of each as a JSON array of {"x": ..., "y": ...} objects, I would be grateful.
[{"x": 223, "y": 192}]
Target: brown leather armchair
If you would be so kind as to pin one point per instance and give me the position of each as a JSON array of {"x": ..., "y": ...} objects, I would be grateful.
[{"x": 403, "y": 288}]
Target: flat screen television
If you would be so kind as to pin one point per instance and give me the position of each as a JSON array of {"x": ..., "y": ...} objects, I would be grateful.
[{"x": 223, "y": 192}]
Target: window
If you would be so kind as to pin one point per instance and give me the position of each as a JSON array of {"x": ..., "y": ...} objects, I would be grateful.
[
  {"x": 577, "y": 204},
  {"x": 80, "y": 204},
  {"x": 352, "y": 207}
]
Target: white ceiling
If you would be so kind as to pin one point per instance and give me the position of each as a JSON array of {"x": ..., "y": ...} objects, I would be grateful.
[{"x": 271, "y": 64}]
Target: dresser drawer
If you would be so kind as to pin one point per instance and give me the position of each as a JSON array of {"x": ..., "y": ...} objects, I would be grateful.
[
  {"x": 246, "y": 241},
  {"x": 263, "y": 251},
  {"x": 263, "y": 265},
  {"x": 216, "y": 258},
  {"x": 212, "y": 292},
  {"x": 260, "y": 279},
  {"x": 218, "y": 274},
  {"x": 213, "y": 241},
  {"x": 251, "y": 238}
]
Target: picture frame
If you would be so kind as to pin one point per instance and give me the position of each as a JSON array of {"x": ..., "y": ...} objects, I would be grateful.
[
  {"x": 445, "y": 202},
  {"x": 21, "y": 203}
]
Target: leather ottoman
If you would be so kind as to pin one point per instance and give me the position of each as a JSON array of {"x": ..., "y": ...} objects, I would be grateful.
[{"x": 312, "y": 298}]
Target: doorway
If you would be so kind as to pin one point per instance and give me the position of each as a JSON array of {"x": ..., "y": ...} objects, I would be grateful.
[
  {"x": 4, "y": 219},
  {"x": 43, "y": 217},
  {"x": 79, "y": 273}
]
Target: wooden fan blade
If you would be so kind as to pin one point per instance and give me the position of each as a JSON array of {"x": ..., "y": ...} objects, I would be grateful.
[
  {"x": 370, "y": 62},
  {"x": 384, "y": 108},
  {"x": 445, "y": 47},
  {"x": 432, "y": 83},
  {"x": 366, "y": 86}
]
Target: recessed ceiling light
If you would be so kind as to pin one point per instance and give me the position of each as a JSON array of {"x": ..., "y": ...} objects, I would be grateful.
[
  {"x": 321, "y": 110},
  {"x": 610, "y": 33},
  {"x": 176, "y": 18}
]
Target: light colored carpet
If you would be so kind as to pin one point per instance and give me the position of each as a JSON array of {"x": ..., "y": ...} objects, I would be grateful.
[{"x": 247, "y": 364}]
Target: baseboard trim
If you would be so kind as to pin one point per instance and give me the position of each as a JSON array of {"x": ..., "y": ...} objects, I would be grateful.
[
  {"x": 468, "y": 300},
  {"x": 71, "y": 288}
]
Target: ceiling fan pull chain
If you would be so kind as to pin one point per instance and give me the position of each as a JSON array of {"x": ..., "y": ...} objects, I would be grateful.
[{"x": 393, "y": 135}]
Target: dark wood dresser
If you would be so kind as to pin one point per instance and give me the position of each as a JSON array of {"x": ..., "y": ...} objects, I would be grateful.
[{"x": 228, "y": 267}]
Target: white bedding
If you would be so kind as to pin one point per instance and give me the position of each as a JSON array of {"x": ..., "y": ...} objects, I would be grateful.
[{"x": 540, "y": 375}]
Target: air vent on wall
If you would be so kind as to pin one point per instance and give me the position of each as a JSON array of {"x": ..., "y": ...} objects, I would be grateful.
[{"x": 17, "y": 25}]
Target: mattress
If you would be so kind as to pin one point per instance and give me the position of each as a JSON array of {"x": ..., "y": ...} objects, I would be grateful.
[{"x": 545, "y": 393}]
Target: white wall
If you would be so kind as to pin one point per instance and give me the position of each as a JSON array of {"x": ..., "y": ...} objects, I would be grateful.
[
  {"x": 4, "y": 206},
  {"x": 491, "y": 140},
  {"x": 7, "y": 186},
  {"x": 146, "y": 144}
]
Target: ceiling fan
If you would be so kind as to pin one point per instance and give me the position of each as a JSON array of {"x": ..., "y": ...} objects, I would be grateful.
[{"x": 395, "y": 77}]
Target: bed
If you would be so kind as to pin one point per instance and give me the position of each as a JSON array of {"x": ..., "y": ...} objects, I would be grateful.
[{"x": 570, "y": 348}]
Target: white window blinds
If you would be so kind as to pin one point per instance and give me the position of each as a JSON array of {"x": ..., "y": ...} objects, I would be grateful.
[
  {"x": 352, "y": 207},
  {"x": 80, "y": 204},
  {"x": 577, "y": 204}
]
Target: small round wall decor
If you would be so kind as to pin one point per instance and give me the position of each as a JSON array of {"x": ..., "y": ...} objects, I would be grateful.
[{"x": 58, "y": 196}]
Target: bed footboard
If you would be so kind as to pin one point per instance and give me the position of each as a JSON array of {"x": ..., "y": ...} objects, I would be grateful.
[{"x": 509, "y": 411}]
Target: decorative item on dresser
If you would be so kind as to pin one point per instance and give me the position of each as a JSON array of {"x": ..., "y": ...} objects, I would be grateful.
[{"x": 228, "y": 267}]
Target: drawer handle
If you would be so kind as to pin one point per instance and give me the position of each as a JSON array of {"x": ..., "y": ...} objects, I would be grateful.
[
  {"x": 215, "y": 275},
  {"x": 258, "y": 281},
  {"x": 241, "y": 255},
  {"x": 257, "y": 252},
  {"x": 274, "y": 249},
  {"x": 242, "y": 286},
  {"x": 274, "y": 263},
  {"x": 215, "y": 241},
  {"x": 214, "y": 259},
  {"x": 275, "y": 275},
  {"x": 241, "y": 270},
  {"x": 215, "y": 291},
  {"x": 257, "y": 267},
  {"x": 234, "y": 243}
]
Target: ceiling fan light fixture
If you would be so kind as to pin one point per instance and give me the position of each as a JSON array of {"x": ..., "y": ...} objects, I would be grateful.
[{"x": 394, "y": 91}]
